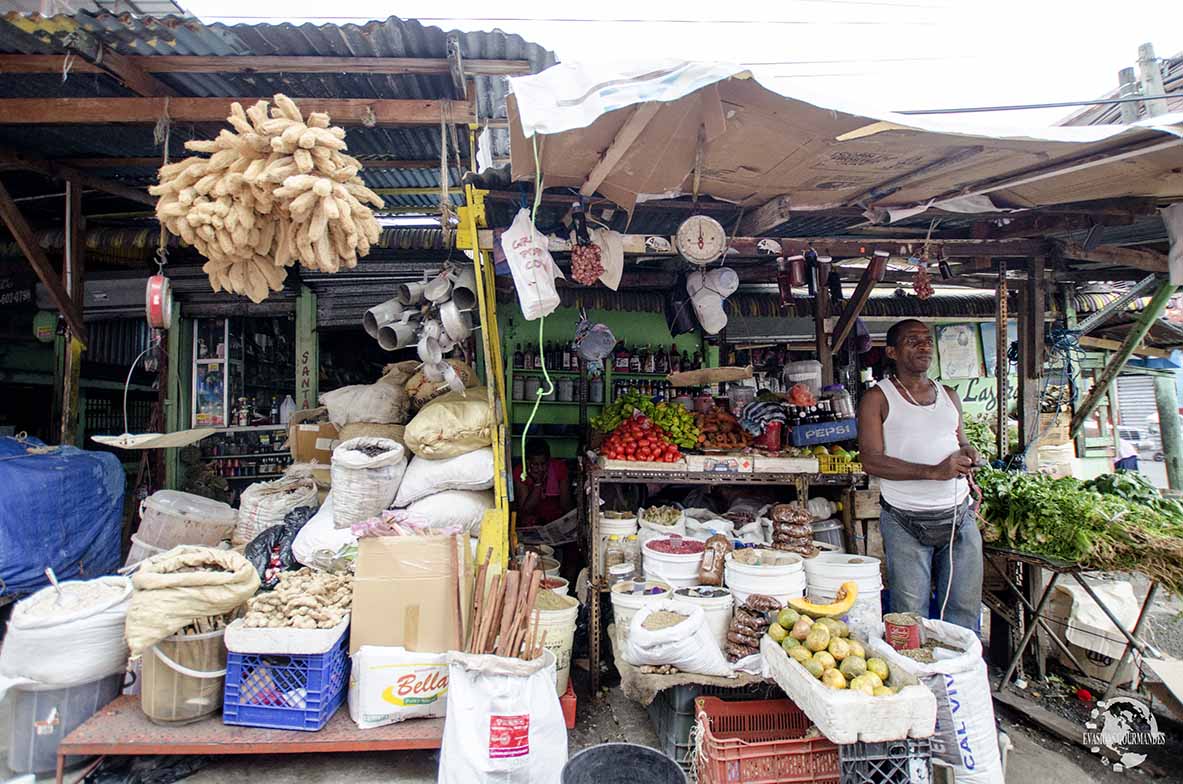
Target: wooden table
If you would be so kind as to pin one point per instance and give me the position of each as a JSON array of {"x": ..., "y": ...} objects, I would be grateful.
[{"x": 122, "y": 729}]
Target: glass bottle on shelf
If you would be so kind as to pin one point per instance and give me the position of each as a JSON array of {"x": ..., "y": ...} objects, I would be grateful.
[
  {"x": 675, "y": 362},
  {"x": 595, "y": 387},
  {"x": 697, "y": 361},
  {"x": 661, "y": 363},
  {"x": 519, "y": 388},
  {"x": 538, "y": 349},
  {"x": 274, "y": 414},
  {"x": 634, "y": 362},
  {"x": 620, "y": 358},
  {"x": 518, "y": 359},
  {"x": 650, "y": 362},
  {"x": 686, "y": 362}
]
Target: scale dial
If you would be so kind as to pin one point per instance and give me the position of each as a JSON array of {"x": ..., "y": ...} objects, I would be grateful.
[{"x": 700, "y": 239}]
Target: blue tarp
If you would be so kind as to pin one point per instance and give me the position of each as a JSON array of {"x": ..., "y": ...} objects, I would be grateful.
[{"x": 63, "y": 509}]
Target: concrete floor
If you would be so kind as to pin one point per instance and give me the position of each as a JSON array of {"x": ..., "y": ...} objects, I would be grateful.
[{"x": 1036, "y": 758}]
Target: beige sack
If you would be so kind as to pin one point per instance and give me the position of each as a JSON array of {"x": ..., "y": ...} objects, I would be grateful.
[
  {"x": 373, "y": 430},
  {"x": 188, "y": 582},
  {"x": 451, "y": 425}
]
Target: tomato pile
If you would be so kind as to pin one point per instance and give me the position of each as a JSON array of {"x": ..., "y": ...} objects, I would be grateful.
[{"x": 638, "y": 439}]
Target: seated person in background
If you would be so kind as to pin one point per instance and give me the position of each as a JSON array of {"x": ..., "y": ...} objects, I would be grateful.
[{"x": 545, "y": 494}]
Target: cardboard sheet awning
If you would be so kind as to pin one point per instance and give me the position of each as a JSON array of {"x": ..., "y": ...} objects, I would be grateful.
[{"x": 638, "y": 132}]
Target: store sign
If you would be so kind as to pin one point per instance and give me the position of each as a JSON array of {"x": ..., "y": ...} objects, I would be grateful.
[
  {"x": 304, "y": 371},
  {"x": 16, "y": 290},
  {"x": 979, "y": 395}
]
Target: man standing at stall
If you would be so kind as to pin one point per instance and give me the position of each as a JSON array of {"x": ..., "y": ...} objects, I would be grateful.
[{"x": 911, "y": 436}]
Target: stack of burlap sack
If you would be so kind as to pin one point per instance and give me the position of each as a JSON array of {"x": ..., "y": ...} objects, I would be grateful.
[{"x": 446, "y": 480}]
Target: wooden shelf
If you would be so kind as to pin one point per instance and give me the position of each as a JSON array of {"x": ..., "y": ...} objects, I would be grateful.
[{"x": 246, "y": 457}]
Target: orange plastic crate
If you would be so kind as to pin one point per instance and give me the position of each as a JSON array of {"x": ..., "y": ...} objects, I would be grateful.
[{"x": 761, "y": 742}]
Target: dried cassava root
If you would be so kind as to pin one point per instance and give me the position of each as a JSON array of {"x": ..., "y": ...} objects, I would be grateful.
[
  {"x": 304, "y": 599},
  {"x": 277, "y": 189}
]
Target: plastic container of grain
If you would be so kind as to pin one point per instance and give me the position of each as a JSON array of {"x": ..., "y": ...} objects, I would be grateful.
[
  {"x": 183, "y": 677},
  {"x": 717, "y": 603},
  {"x": 169, "y": 518},
  {"x": 774, "y": 573},
  {"x": 556, "y": 618},
  {"x": 674, "y": 560}
]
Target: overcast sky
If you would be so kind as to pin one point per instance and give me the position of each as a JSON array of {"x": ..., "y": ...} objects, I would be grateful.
[{"x": 884, "y": 54}]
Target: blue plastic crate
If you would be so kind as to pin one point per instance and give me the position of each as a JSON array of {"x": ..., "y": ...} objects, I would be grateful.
[{"x": 286, "y": 691}]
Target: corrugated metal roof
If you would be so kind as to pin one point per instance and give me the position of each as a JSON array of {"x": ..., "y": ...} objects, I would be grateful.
[{"x": 150, "y": 36}]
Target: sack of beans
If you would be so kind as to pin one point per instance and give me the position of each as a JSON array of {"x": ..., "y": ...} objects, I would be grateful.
[{"x": 367, "y": 473}]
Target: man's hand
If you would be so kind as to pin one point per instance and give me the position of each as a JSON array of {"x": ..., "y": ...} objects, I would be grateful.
[
  {"x": 536, "y": 473},
  {"x": 953, "y": 466},
  {"x": 973, "y": 454}
]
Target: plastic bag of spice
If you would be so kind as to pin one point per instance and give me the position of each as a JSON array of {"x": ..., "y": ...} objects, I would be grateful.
[
  {"x": 687, "y": 645},
  {"x": 710, "y": 571}
]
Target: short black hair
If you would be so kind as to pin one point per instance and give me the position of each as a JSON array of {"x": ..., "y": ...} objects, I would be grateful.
[
  {"x": 537, "y": 448},
  {"x": 893, "y": 334}
]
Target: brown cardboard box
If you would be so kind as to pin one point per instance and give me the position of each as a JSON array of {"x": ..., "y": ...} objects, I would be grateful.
[
  {"x": 311, "y": 440},
  {"x": 407, "y": 592}
]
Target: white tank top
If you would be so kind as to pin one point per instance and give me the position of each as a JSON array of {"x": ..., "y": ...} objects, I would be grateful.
[{"x": 925, "y": 435}]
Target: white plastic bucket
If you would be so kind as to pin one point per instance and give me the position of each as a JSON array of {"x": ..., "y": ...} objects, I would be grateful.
[
  {"x": 550, "y": 567},
  {"x": 625, "y": 603},
  {"x": 559, "y": 626},
  {"x": 679, "y": 570},
  {"x": 561, "y": 590},
  {"x": 827, "y": 572},
  {"x": 717, "y": 608},
  {"x": 782, "y": 581},
  {"x": 621, "y": 528}
]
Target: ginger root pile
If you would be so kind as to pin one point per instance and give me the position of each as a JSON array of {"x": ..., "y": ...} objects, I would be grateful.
[
  {"x": 277, "y": 189},
  {"x": 304, "y": 599}
]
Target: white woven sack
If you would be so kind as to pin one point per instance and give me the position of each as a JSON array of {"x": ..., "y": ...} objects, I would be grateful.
[
  {"x": 364, "y": 486},
  {"x": 470, "y": 471},
  {"x": 67, "y": 643},
  {"x": 689, "y": 646},
  {"x": 322, "y": 545},
  {"x": 464, "y": 509},
  {"x": 264, "y": 504}
]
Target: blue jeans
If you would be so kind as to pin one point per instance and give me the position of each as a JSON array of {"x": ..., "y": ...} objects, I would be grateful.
[{"x": 917, "y": 548}]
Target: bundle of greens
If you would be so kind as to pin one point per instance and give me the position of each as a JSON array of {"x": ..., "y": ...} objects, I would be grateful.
[
  {"x": 980, "y": 433},
  {"x": 1068, "y": 520},
  {"x": 1136, "y": 487}
]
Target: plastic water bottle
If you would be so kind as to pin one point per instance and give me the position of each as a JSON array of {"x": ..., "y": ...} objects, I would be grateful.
[{"x": 286, "y": 409}]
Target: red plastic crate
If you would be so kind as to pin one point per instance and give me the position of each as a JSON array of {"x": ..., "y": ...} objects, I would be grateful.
[
  {"x": 761, "y": 742},
  {"x": 567, "y": 701}
]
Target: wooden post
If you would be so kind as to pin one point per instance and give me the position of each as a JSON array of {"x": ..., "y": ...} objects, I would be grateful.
[
  {"x": 1068, "y": 296},
  {"x": 821, "y": 311},
  {"x": 307, "y": 351},
  {"x": 1002, "y": 364},
  {"x": 1172, "y": 432},
  {"x": 1150, "y": 75},
  {"x": 1031, "y": 352},
  {"x": 1113, "y": 367},
  {"x": 175, "y": 414},
  {"x": 73, "y": 273}
]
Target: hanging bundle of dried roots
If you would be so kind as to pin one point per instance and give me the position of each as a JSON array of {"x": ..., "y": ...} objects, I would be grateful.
[{"x": 277, "y": 189}]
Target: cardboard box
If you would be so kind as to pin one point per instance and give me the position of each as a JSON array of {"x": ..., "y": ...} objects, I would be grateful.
[
  {"x": 720, "y": 464},
  {"x": 311, "y": 440},
  {"x": 1104, "y": 644},
  {"x": 407, "y": 592}
]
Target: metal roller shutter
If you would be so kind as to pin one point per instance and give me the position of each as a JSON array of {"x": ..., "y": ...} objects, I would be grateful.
[{"x": 1135, "y": 400}]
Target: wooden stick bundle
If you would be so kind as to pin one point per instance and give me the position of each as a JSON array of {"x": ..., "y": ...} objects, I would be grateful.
[{"x": 504, "y": 621}]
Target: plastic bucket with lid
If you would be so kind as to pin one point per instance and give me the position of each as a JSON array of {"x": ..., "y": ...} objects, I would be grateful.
[
  {"x": 140, "y": 550},
  {"x": 827, "y": 572},
  {"x": 626, "y": 602},
  {"x": 42, "y": 716},
  {"x": 717, "y": 603},
  {"x": 780, "y": 575},
  {"x": 828, "y": 531},
  {"x": 183, "y": 677},
  {"x": 610, "y": 527},
  {"x": 559, "y": 627},
  {"x": 678, "y": 568},
  {"x": 169, "y": 518}
]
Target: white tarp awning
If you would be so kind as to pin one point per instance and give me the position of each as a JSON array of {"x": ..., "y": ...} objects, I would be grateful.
[{"x": 632, "y": 130}]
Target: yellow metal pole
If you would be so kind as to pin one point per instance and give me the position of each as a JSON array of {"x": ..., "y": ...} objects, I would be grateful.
[{"x": 495, "y": 526}]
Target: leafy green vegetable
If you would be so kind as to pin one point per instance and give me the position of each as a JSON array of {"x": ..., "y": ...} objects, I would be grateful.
[
  {"x": 673, "y": 418},
  {"x": 1071, "y": 521},
  {"x": 981, "y": 435}
]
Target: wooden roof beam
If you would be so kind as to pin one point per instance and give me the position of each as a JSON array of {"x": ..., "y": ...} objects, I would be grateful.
[
  {"x": 1115, "y": 255},
  {"x": 56, "y": 171},
  {"x": 767, "y": 216},
  {"x": 854, "y": 308},
  {"x": 625, "y": 137},
  {"x": 154, "y": 163},
  {"x": 26, "y": 239},
  {"x": 145, "y": 111},
  {"x": 388, "y": 66},
  {"x": 119, "y": 66}
]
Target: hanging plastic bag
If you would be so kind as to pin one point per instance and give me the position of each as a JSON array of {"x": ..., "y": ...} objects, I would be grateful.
[
  {"x": 271, "y": 551},
  {"x": 611, "y": 256},
  {"x": 534, "y": 269},
  {"x": 504, "y": 722}
]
